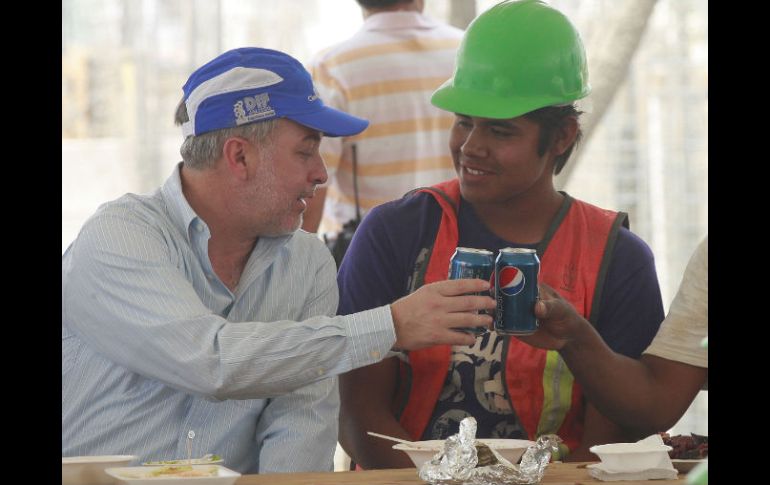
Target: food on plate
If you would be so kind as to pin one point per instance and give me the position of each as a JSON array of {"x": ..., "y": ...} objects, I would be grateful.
[
  {"x": 207, "y": 459},
  {"x": 485, "y": 455},
  {"x": 172, "y": 471},
  {"x": 692, "y": 447},
  {"x": 184, "y": 471}
]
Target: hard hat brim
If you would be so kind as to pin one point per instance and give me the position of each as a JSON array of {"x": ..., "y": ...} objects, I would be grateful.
[{"x": 470, "y": 102}]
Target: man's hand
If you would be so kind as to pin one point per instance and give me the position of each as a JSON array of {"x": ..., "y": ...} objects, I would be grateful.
[
  {"x": 558, "y": 321},
  {"x": 427, "y": 316}
]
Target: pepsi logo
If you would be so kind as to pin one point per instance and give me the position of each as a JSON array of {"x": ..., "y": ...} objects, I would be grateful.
[{"x": 511, "y": 280}]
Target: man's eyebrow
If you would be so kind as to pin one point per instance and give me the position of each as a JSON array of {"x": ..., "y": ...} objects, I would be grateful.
[
  {"x": 501, "y": 124},
  {"x": 508, "y": 124}
]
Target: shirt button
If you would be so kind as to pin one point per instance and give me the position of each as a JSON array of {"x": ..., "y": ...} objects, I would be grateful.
[
  {"x": 209, "y": 276},
  {"x": 320, "y": 371},
  {"x": 199, "y": 227},
  {"x": 375, "y": 354}
]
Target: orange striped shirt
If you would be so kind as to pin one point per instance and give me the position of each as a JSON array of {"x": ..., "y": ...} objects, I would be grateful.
[{"x": 386, "y": 73}]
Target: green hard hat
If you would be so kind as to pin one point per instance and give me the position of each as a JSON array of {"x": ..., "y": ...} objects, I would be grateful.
[{"x": 516, "y": 57}]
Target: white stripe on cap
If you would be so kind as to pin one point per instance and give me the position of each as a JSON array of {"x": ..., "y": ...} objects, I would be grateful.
[{"x": 236, "y": 79}]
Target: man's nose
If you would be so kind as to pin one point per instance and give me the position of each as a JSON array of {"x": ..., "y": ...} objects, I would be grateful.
[
  {"x": 473, "y": 146},
  {"x": 319, "y": 175}
]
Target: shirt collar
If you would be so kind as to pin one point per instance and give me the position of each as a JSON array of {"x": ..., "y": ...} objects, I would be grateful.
[
  {"x": 182, "y": 215},
  {"x": 398, "y": 20}
]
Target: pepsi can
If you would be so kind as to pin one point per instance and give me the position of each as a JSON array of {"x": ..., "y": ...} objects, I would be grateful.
[
  {"x": 516, "y": 271},
  {"x": 472, "y": 263}
]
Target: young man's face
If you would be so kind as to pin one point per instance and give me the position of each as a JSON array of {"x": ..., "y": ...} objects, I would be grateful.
[
  {"x": 284, "y": 176},
  {"x": 497, "y": 160}
]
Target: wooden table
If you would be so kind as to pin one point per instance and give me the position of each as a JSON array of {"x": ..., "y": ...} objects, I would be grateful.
[{"x": 556, "y": 474}]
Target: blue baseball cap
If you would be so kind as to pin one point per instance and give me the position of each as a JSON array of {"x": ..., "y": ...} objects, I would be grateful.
[{"x": 252, "y": 84}]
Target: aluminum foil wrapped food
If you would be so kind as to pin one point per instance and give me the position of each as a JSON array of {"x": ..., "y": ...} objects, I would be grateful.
[{"x": 463, "y": 461}]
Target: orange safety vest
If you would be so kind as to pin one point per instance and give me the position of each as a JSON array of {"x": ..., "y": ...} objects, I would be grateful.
[{"x": 574, "y": 258}]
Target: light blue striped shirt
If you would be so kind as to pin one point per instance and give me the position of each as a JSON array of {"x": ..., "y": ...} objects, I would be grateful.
[{"x": 155, "y": 345}]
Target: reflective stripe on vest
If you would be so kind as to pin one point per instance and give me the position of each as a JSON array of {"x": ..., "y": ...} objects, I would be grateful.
[{"x": 557, "y": 392}]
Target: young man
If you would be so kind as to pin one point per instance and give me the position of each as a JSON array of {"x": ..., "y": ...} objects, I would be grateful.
[
  {"x": 201, "y": 307},
  {"x": 385, "y": 73},
  {"x": 649, "y": 394},
  {"x": 520, "y": 68}
]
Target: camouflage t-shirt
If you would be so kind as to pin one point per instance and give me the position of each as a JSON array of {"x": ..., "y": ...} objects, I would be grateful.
[{"x": 474, "y": 387}]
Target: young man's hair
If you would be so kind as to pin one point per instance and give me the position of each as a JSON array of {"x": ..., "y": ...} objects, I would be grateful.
[
  {"x": 550, "y": 119},
  {"x": 202, "y": 151}
]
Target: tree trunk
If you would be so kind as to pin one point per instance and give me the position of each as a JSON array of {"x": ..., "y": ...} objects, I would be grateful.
[
  {"x": 461, "y": 12},
  {"x": 610, "y": 52}
]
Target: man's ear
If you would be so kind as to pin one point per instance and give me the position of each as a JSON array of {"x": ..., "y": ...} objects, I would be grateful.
[
  {"x": 565, "y": 136},
  {"x": 234, "y": 152}
]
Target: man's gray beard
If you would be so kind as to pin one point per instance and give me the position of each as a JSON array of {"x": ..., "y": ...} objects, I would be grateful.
[{"x": 286, "y": 232}]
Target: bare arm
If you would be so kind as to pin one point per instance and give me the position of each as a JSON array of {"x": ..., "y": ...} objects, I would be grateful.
[
  {"x": 315, "y": 209},
  {"x": 598, "y": 430},
  {"x": 649, "y": 394},
  {"x": 366, "y": 394}
]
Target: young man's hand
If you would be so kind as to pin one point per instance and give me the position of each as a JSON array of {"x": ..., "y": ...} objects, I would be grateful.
[{"x": 558, "y": 321}]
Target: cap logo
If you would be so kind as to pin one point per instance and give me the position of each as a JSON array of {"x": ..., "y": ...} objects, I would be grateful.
[{"x": 252, "y": 108}]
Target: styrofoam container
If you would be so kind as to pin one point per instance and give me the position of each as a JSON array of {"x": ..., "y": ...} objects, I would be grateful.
[
  {"x": 632, "y": 456},
  {"x": 422, "y": 451},
  {"x": 80, "y": 470}
]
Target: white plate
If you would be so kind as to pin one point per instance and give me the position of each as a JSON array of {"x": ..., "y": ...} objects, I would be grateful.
[
  {"x": 143, "y": 475},
  {"x": 684, "y": 466},
  {"x": 81, "y": 470},
  {"x": 628, "y": 457}
]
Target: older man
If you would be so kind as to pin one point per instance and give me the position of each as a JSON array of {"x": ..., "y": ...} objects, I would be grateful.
[{"x": 201, "y": 307}]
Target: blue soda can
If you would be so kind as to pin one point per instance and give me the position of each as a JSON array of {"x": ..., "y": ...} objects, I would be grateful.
[
  {"x": 516, "y": 271},
  {"x": 472, "y": 263}
]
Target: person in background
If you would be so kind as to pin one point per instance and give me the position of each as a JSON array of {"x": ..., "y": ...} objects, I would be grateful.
[
  {"x": 520, "y": 68},
  {"x": 649, "y": 394},
  {"x": 201, "y": 307},
  {"x": 385, "y": 73}
]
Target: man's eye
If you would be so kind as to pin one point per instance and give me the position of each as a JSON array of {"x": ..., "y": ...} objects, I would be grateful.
[{"x": 464, "y": 123}]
